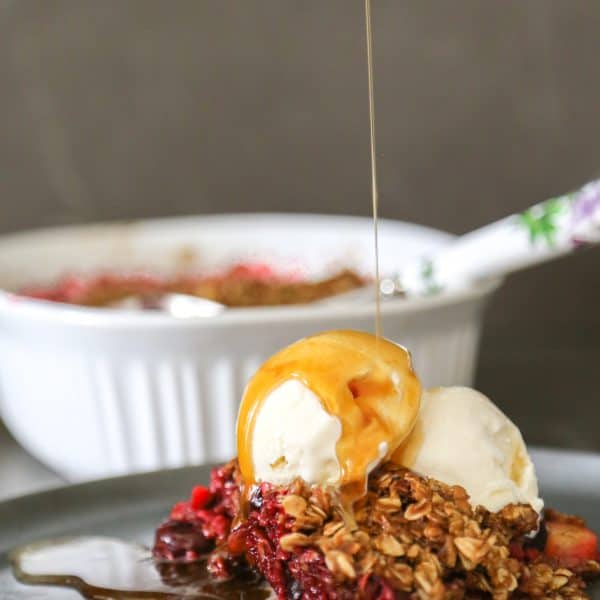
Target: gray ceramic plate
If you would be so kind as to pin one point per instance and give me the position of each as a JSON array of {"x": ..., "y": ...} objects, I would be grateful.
[{"x": 130, "y": 507}]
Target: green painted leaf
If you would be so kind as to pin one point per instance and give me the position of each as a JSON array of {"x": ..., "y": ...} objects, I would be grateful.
[
  {"x": 541, "y": 221},
  {"x": 428, "y": 277}
]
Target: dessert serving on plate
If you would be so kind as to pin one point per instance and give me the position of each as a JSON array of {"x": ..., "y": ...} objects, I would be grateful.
[{"x": 352, "y": 483}]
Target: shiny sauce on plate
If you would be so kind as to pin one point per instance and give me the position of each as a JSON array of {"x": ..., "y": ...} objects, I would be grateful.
[{"x": 103, "y": 568}]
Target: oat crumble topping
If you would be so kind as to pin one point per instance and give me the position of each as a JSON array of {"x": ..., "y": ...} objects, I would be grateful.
[{"x": 408, "y": 537}]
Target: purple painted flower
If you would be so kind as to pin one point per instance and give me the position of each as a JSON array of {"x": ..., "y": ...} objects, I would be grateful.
[{"x": 585, "y": 214}]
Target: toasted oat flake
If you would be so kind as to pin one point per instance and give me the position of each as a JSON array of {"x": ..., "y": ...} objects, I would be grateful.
[
  {"x": 292, "y": 540},
  {"x": 339, "y": 563},
  {"x": 293, "y": 505},
  {"x": 389, "y": 545}
]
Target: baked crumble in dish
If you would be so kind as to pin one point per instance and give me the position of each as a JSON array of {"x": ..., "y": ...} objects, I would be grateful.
[
  {"x": 250, "y": 284},
  {"x": 399, "y": 533}
]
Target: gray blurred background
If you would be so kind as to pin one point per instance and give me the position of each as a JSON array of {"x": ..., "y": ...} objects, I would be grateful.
[{"x": 136, "y": 108}]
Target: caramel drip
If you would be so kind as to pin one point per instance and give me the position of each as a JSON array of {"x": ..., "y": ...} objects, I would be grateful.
[
  {"x": 367, "y": 383},
  {"x": 373, "y": 152}
]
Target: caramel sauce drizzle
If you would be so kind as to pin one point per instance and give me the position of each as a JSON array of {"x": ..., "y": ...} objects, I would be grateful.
[
  {"x": 373, "y": 152},
  {"x": 367, "y": 383}
]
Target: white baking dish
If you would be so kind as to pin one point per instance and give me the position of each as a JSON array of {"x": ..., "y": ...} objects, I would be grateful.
[{"x": 98, "y": 392}]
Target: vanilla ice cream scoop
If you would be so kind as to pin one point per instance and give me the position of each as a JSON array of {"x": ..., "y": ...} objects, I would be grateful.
[
  {"x": 327, "y": 409},
  {"x": 294, "y": 436},
  {"x": 462, "y": 438}
]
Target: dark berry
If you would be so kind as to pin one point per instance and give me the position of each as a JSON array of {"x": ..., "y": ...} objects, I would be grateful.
[{"x": 180, "y": 541}]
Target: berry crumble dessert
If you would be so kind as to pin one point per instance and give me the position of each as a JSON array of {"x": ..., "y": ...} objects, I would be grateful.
[
  {"x": 251, "y": 284},
  {"x": 350, "y": 482}
]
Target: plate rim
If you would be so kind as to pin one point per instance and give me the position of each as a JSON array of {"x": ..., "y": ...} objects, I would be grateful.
[{"x": 537, "y": 452}]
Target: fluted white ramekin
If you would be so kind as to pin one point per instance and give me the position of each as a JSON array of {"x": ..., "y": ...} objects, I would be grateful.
[{"x": 97, "y": 392}]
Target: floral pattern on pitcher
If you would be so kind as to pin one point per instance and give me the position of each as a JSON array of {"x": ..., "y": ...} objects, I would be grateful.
[
  {"x": 585, "y": 215},
  {"x": 575, "y": 216},
  {"x": 542, "y": 221},
  {"x": 541, "y": 233}
]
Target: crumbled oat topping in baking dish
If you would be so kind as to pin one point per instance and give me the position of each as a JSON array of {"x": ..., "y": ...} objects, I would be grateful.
[{"x": 242, "y": 285}]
